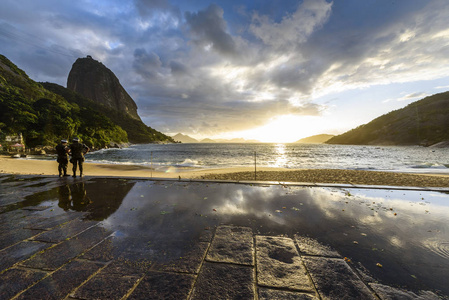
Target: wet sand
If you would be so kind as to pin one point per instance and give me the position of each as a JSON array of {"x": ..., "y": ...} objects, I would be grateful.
[{"x": 40, "y": 167}]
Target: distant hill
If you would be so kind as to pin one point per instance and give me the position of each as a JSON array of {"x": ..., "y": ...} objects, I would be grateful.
[
  {"x": 424, "y": 122},
  {"x": 315, "y": 139},
  {"x": 210, "y": 141},
  {"x": 184, "y": 138}
]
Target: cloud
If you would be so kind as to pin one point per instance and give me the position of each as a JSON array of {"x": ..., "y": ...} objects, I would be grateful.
[
  {"x": 413, "y": 96},
  {"x": 223, "y": 67},
  {"x": 146, "y": 64},
  {"x": 209, "y": 29},
  {"x": 158, "y": 13},
  {"x": 293, "y": 29}
]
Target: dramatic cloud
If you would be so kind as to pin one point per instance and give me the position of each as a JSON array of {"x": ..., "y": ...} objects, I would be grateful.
[
  {"x": 211, "y": 69},
  {"x": 209, "y": 29},
  {"x": 293, "y": 29}
]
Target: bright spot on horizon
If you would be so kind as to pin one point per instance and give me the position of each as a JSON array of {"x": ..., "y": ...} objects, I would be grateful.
[{"x": 287, "y": 129}]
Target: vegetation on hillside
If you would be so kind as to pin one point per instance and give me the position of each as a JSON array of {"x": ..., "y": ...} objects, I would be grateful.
[
  {"x": 424, "y": 122},
  {"x": 44, "y": 118},
  {"x": 137, "y": 131}
]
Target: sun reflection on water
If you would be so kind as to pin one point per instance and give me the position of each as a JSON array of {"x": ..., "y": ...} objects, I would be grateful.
[{"x": 281, "y": 159}]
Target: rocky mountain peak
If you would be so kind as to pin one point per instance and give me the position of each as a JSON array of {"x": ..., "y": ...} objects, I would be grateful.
[{"x": 91, "y": 79}]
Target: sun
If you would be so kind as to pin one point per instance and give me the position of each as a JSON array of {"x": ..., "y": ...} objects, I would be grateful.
[{"x": 287, "y": 129}]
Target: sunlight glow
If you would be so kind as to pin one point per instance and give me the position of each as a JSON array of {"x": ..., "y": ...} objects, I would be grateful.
[{"x": 287, "y": 129}]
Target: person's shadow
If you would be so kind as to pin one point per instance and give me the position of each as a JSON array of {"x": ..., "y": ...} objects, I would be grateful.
[{"x": 73, "y": 197}]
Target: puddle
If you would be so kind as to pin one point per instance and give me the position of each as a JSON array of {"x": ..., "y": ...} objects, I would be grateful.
[{"x": 406, "y": 232}]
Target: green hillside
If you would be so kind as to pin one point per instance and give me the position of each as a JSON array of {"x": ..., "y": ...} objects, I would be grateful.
[
  {"x": 424, "y": 122},
  {"x": 44, "y": 117}
]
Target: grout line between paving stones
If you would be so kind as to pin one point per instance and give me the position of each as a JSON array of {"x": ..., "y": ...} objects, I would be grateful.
[
  {"x": 131, "y": 290},
  {"x": 307, "y": 270},
  {"x": 31, "y": 239},
  {"x": 44, "y": 231},
  {"x": 49, "y": 273},
  {"x": 71, "y": 294},
  {"x": 350, "y": 265},
  {"x": 25, "y": 240},
  {"x": 192, "y": 290}
]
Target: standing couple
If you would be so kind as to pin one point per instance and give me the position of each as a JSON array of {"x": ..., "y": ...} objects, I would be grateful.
[{"x": 76, "y": 150}]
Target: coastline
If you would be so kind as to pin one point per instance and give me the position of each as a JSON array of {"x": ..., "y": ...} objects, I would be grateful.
[
  {"x": 21, "y": 166},
  {"x": 10, "y": 165}
]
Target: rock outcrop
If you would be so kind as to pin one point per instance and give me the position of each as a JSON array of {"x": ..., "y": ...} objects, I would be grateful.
[{"x": 93, "y": 80}]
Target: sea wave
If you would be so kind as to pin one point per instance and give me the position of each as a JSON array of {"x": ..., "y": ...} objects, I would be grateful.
[
  {"x": 430, "y": 166},
  {"x": 188, "y": 163}
]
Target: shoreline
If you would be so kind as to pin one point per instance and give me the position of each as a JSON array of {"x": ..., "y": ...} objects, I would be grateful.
[{"x": 10, "y": 165}]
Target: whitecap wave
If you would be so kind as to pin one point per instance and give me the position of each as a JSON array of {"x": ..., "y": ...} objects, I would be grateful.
[
  {"x": 188, "y": 163},
  {"x": 430, "y": 166}
]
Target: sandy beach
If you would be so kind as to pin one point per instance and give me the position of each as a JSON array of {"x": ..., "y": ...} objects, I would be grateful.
[{"x": 10, "y": 165}]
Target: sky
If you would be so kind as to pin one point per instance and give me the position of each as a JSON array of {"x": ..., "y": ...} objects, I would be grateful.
[{"x": 275, "y": 71}]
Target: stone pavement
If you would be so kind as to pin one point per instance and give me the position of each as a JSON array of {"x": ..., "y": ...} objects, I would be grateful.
[{"x": 66, "y": 256}]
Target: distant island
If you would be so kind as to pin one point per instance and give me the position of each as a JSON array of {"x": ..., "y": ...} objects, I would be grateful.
[
  {"x": 190, "y": 140},
  {"x": 424, "y": 122}
]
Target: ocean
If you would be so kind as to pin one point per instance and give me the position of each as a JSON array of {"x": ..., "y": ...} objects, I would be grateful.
[{"x": 412, "y": 159}]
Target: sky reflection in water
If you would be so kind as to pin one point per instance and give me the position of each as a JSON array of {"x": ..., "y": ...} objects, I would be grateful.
[{"x": 405, "y": 231}]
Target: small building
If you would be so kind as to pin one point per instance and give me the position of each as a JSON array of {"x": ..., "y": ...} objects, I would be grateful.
[{"x": 14, "y": 139}]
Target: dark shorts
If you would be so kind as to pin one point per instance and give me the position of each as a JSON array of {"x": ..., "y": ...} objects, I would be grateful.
[
  {"x": 75, "y": 160},
  {"x": 62, "y": 160}
]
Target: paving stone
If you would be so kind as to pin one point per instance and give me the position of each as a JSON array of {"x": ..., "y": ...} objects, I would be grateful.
[
  {"x": 12, "y": 237},
  {"x": 19, "y": 252},
  {"x": 127, "y": 267},
  {"x": 334, "y": 279},
  {"x": 159, "y": 285},
  {"x": 66, "y": 231},
  {"x": 279, "y": 264},
  {"x": 19, "y": 221},
  {"x": 388, "y": 292},
  {"x": 60, "y": 254},
  {"x": 189, "y": 262},
  {"x": 102, "y": 252},
  {"x": 269, "y": 294},
  {"x": 13, "y": 216},
  {"x": 232, "y": 244},
  {"x": 309, "y": 246},
  {"x": 59, "y": 284},
  {"x": 16, "y": 280},
  {"x": 224, "y": 281},
  {"x": 52, "y": 222},
  {"x": 106, "y": 286}
]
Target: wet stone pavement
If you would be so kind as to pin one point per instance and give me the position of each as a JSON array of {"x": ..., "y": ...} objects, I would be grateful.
[{"x": 104, "y": 238}]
